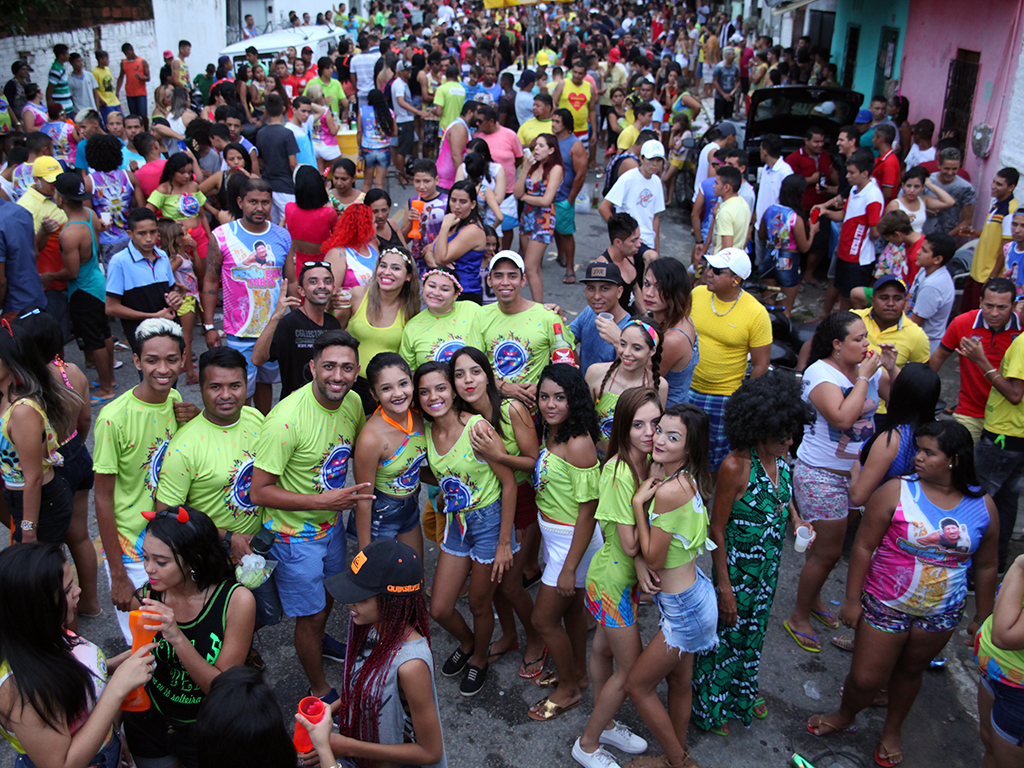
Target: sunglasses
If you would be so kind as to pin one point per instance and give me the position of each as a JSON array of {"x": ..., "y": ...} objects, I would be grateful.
[
  {"x": 314, "y": 265},
  {"x": 718, "y": 270}
]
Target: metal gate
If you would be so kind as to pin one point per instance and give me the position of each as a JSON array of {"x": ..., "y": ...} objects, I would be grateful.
[{"x": 959, "y": 102}]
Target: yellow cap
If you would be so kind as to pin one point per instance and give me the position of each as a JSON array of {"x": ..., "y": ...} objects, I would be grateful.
[
  {"x": 46, "y": 168},
  {"x": 543, "y": 59}
]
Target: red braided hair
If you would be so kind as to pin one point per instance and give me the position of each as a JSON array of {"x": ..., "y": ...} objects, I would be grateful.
[
  {"x": 354, "y": 229},
  {"x": 361, "y": 693}
]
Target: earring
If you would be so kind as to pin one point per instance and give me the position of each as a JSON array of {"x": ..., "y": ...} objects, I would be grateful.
[{"x": 193, "y": 574}]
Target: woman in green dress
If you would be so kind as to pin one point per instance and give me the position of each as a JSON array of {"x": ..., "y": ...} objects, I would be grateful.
[{"x": 753, "y": 500}]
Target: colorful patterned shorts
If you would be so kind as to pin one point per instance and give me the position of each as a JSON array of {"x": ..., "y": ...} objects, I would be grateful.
[
  {"x": 888, "y": 619},
  {"x": 820, "y": 494}
]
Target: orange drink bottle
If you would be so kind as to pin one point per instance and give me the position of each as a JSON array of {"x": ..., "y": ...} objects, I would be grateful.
[
  {"x": 418, "y": 206},
  {"x": 138, "y": 700}
]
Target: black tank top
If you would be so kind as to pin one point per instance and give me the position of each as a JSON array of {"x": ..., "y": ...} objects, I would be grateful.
[
  {"x": 173, "y": 692},
  {"x": 392, "y": 242},
  {"x": 628, "y": 298}
]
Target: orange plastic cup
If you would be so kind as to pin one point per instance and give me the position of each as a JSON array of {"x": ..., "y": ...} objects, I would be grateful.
[
  {"x": 418, "y": 206},
  {"x": 313, "y": 709},
  {"x": 138, "y": 700}
]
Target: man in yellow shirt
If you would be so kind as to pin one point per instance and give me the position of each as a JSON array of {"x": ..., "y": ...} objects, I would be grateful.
[
  {"x": 994, "y": 235},
  {"x": 644, "y": 115},
  {"x": 730, "y": 324},
  {"x": 543, "y": 106},
  {"x": 105, "y": 79},
  {"x": 731, "y": 222},
  {"x": 579, "y": 97}
]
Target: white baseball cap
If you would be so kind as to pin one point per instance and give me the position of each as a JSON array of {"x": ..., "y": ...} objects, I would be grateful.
[
  {"x": 515, "y": 258},
  {"x": 652, "y": 149},
  {"x": 734, "y": 259}
]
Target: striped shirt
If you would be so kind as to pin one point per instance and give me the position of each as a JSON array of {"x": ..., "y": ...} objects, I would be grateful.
[{"x": 58, "y": 78}]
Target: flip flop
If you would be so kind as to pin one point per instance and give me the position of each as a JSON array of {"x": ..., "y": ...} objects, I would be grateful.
[
  {"x": 797, "y": 635},
  {"x": 492, "y": 657},
  {"x": 543, "y": 658},
  {"x": 122, "y": 346},
  {"x": 760, "y": 702},
  {"x": 96, "y": 385},
  {"x": 95, "y": 400},
  {"x": 546, "y": 709},
  {"x": 569, "y": 279},
  {"x": 719, "y": 731},
  {"x": 833, "y": 622},
  {"x": 886, "y": 762},
  {"x": 529, "y": 582},
  {"x": 835, "y": 729}
]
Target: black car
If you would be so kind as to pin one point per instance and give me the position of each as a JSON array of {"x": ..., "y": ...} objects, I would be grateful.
[{"x": 789, "y": 110}]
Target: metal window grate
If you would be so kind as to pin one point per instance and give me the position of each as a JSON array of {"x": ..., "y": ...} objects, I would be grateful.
[{"x": 959, "y": 102}]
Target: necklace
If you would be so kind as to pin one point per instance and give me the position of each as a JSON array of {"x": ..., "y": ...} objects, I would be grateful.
[
  {"x": 730, "y": 309},
  {"x": 407, "y": 429}
]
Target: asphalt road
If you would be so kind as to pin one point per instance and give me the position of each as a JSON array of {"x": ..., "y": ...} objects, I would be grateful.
[{"x": 492, "y": 729}]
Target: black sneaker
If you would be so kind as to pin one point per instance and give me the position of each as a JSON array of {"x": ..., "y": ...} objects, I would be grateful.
[
  {"x": 473, "y": 681},
  {"x": 332, "y": 649},
  {"x": 455, "y": 663}
]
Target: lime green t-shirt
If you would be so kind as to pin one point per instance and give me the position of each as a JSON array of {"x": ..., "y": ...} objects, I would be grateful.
[
  {"x": 611, "y": 571},
  {"x": 131, "y": 442},
  {"x": 1001, "y": 416},
  {"x": 519, "y": 346},
  {"x": 450, "y": 96},
  {"x": 333, "y": 92},
  {"x": 210, "y": 468},
  {"x": 467, "y": 482},
  {"x": 308, "y": 447},
  {"x": 437, "y": 337},
  {"x": 399, "y": 474},
  {"x": 606, "y": 413},
  {"x": 688, "y": 526},
  {"x": 561, "y": 487},
  {"x": 509, "y": 438}
]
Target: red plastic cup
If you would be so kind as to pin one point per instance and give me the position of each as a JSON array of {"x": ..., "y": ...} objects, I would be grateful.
[
  {"x": 815, "y": 213},
  {"x": 138, "y": 700},
  {"x": 313, "y": 709}
]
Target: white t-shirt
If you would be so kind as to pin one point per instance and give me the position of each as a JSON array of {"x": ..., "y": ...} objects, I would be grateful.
[
  {"x": 362, "y": 65},
  {"x": 401, "y": 88},
  {"x": 641, "y": 198},
  {"x": 702, "y": 166},
  {"x": 823, "y": 445},
  {"x": 918, "y": 156},
  {"x": 445, "y": 13},
  {"x": 769, "y": 182},
  {"x": 931, "y": 298}
]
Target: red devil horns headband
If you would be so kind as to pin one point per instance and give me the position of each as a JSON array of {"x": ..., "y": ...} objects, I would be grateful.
[{"x": 181, "y": 516}]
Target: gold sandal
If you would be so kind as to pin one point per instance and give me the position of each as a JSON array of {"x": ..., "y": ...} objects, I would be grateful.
[{"x": 546, "y": 709}]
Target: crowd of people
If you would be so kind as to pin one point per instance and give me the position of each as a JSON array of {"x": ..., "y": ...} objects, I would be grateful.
[{"x": 595, "y": 459}]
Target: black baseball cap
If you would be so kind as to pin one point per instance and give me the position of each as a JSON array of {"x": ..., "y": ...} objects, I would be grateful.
[
  {"x": 602, "y": 272},
  {"x": 385, "y": 566},
  {"x": 71, "y": 186}
]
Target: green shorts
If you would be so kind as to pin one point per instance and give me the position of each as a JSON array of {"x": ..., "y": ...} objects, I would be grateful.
[{"x": 565, "y": 218}]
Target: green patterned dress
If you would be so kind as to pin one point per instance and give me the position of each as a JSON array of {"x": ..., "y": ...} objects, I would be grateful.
[{"x": 725, "y": 679}]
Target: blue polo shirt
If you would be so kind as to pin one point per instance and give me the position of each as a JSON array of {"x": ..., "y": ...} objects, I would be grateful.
[
  {"x": 139, "y": 282},
  {"x": 18, "y": 255},
  {"x": 593, "y": 349}
]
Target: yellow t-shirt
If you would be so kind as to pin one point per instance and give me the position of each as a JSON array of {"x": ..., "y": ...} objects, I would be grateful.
[
  {"x": 726, "y": 333},
  {"x": 577, "y": 100},
  {"x": 531, "y": 129},
  {"x": 1001, "y": 416},
  {"x": 105, "y": 78},
  {"x": 733, "y": 218},
  {"x": 994, "y": 235},
  {"x": 627, "y": 137},
  {"x": 908, "y": 337}
]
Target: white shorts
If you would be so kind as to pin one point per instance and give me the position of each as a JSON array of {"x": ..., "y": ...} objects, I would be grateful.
[
  {"x": 137, "y": 574},
  {"x": 555, "y": 542},
  {"x": 709, "y": 74},
  {"x": 278, "y": 200},
  {"x": 326, "y": 151}
]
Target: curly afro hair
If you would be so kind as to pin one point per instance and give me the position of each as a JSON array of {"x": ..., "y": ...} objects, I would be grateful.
[
  {"x": 764, "y": 410},
  {"x": 103, "y": 153},
  {"x": 354, "y": 229}
]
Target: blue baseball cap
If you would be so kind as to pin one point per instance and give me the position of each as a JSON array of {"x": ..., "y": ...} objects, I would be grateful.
[{"x": 886, "y": 279}]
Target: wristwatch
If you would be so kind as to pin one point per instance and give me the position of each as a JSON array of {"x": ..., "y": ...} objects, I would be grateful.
[
  {"x": 207, "y": 327},
  {"x": 28, "y": 525}
]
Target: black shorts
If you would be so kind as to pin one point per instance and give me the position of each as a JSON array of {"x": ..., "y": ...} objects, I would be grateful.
[
  {"x": 744, "y": 85},
  {"x": 89, "y": 316},
  {"x": 406, "y": 138},
  {"x": 850, "y": 275},
  {"x": 820, "y": 242},
  {"x": 77, "y": 468},
  {"x": 155, "y": 741},
  {"x": 55, "y": 507}
]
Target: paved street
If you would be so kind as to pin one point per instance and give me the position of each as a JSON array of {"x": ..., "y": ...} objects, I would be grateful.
[{"x": 493, "y": 730}]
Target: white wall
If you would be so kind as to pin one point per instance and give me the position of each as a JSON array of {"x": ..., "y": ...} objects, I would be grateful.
[
  {"x": 1011, "y": 153},
  {"x": 141, "y": 34},
  {"x": 202, "y": 22}
]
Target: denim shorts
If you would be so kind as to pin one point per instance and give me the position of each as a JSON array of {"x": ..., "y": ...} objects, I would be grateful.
[
  {"x": 888, "y": 619},
  {"x": 689, "y": 619},
  {"x": 1007, "y": 710},
  {"x": 770, "y": 268},
  {"x": 378, "y": 157},
  {"x": 268, "y": 373},
  {"x": 820, "y": 494},
  {"x": 391, "y": 516},
  {"x": 108, "y": 756},
  {"x": 56, "y": 506},
  {"x": 480, "y": 538},
  {"x": 302, "y": 567}
]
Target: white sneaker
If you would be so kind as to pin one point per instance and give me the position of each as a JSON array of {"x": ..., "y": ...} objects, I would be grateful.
[
  {"x": 602, "y": 758},
  {"x": 623, "y": 739}
]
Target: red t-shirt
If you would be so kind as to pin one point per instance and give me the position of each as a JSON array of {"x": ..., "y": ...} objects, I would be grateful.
[
  {"x": 912, "y": 250},
  {"x": 932, "y": 166},
  {"x": 805, "y": 165},
  {"x": 974, "y": 387},
  {"x": 149, "y": 176},
  {"x": 887, "y": 172}
]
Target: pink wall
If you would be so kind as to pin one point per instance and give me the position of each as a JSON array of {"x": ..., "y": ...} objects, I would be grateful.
[{"x": 935, "y": 30}]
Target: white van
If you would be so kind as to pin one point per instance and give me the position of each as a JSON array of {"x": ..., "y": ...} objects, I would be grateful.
[{"x": 319, "y": 38}]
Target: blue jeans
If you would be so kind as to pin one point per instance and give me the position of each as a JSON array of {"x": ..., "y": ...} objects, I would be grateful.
[{"x": 137, "y": 105}]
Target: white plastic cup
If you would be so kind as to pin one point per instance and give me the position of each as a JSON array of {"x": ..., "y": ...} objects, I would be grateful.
[
  {"x": 607, "y": 316},
  {"x": 803, "y": 538},
  {"x": 107, "y": 218}
]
